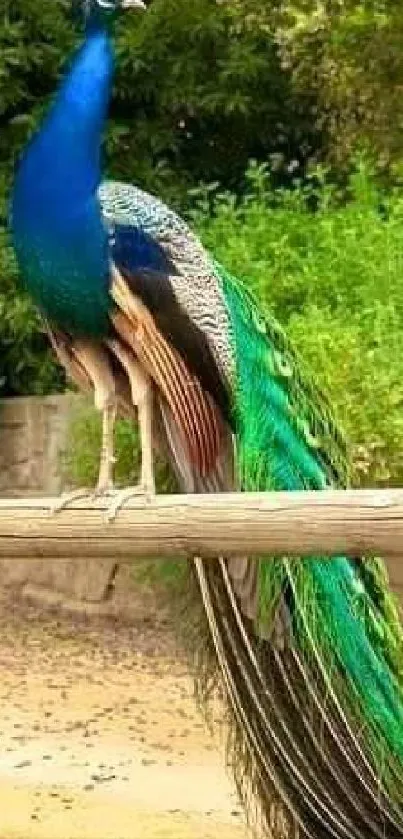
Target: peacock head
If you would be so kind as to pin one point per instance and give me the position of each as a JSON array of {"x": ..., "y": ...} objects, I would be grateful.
[{"x": 104, "y": 10}]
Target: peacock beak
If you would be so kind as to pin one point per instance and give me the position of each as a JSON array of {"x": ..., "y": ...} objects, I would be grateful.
[{"x": 133, "y": 4}]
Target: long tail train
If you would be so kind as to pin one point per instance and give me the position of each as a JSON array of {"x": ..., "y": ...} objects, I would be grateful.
[{"x": 309, "y": 652}]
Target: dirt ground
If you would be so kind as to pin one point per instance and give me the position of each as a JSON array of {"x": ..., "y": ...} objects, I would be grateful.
[{"x": 100, "y": 737}]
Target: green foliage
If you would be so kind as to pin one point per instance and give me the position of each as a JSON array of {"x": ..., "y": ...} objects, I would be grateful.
[
  {"x": 333, "y": 279},
  {"x": 190, "y": 77},
  {"x": 348, "y": 56}
]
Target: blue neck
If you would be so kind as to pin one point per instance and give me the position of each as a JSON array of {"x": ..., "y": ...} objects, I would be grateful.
[
  {"x": 63, "y": 162},
  {"x": 59, "y": 235},
  {"x": 98, "y": 21}
]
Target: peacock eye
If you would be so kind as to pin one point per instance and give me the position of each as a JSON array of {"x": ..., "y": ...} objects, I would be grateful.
[{"x": 283, "y": 364}]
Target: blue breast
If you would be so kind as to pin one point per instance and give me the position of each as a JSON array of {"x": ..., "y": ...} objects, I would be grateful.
[{"x": 59, "y": 235}]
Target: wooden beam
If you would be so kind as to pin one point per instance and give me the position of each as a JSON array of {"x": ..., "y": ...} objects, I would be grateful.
[{"x": 301, "y": 524}]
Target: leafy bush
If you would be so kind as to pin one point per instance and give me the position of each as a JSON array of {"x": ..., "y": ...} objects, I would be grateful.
[
  {"x": 348, "y": 56},
  {"x": 334, "y": 279}
]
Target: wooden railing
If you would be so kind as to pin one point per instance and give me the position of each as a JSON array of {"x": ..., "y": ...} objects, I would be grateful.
[{"x": 300, "y": 524}]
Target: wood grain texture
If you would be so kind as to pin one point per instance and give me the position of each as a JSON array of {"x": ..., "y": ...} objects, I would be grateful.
[{"x": 300, "y": 524}]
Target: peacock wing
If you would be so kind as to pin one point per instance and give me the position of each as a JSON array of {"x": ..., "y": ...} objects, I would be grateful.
[{"x": 192, "y": 404}]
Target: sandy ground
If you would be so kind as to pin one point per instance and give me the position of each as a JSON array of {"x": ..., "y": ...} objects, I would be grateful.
[{"x": 100, "y": 738}]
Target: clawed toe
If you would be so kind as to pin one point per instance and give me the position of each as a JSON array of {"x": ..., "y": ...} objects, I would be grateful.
[
  {"x": 67, "y": 498},
  {"x": 124, "y": 495},
  {"x": 118, "y": 497}
]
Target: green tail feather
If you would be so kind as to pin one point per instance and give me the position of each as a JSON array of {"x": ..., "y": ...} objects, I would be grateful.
[{"x": 344, "y": 612}]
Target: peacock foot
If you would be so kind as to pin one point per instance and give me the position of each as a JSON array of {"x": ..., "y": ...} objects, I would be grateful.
[
  {"x": 116, "y": 498},
  {"x": 68, "y": 498},
  {"x": 102, "y": 490},
  {"x": 121, "y": 496}
]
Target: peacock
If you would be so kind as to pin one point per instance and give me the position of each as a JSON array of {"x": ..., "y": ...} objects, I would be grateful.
[{"x": 308, "y": 653}]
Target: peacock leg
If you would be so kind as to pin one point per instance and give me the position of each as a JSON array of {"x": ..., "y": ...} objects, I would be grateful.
[
  {"x": 94, "y": 360},
  {"x": 107, "y": 459},
  {"x": 142, "y": 397}
]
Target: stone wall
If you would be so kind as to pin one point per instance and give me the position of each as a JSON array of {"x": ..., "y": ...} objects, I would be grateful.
[
  {"x": 33, "y": 437},
  {"x": 33, "y": 434}
]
